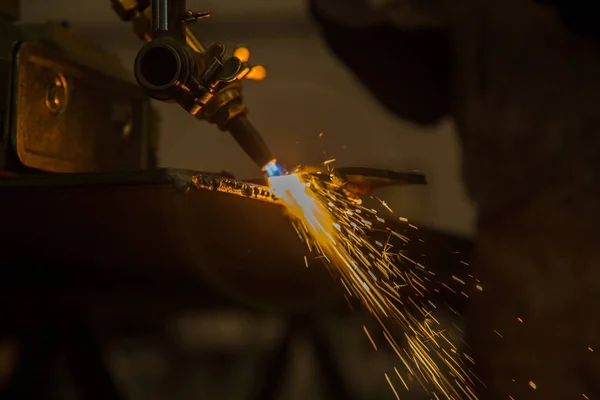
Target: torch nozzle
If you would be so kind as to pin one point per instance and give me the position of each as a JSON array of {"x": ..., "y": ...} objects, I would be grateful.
[
  {"x": 251, "y": 142},
  {"x": 272, "y": 168}
]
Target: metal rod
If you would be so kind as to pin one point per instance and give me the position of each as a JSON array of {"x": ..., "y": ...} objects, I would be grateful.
[
  {"x": 167, "y": 17},
  {"x": 160, "y": 15}
]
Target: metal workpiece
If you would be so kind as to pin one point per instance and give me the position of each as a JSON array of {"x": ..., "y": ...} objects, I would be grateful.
[
  {"x": 233, "y": 186},
  {"x": 192, "y": 238},
  {"x": 361, "y": 181},
  {"x": 149, "y": 228},
  {"x": 357, "y": 182}
]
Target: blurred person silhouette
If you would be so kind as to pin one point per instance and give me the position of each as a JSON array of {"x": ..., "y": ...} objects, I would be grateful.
[{"x": 521, "y": 81}]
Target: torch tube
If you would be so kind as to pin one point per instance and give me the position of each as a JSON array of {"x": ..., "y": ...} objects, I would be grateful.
[
  {"x": 250, "y": 140},
  {"x": 167, "y": 18}
]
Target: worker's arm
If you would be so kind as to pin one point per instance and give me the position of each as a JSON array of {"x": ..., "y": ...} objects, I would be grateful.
[
  {"x": 407, "y": 70},
  {"x": 399, "y": 49}
]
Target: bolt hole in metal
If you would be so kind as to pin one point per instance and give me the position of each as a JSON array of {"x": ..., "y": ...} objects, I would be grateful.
[
  {"x": 57, "y": 95},
  {"x": 159, "y": 66}
]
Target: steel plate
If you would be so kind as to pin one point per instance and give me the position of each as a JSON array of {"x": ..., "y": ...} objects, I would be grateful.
[{"x": 101, "y": 229}]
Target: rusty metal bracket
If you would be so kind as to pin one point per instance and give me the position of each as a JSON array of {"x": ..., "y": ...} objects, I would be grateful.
[{"x": 70, "y": 118}]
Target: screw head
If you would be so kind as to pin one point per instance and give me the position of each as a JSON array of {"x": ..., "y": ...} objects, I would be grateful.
[{"x": 57, "y": 94}]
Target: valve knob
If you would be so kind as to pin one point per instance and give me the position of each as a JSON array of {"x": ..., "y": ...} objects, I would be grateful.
[
  {"x": 191, "y": 17},
  {"x": 231, "y": 69}
]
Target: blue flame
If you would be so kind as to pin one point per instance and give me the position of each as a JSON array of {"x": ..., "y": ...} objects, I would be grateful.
[{"x": 273, "y": 169}]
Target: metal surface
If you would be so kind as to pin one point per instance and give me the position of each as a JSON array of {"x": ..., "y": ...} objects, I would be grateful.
[
  {"x": 167, "y": 234},
  {"x": 359, "y": 181},
  {"x": 233, "y": 186},
  {"x": 71, "y": 118},
  {"x": 381, "y": 176},
  {"x": 92, "y": 231}
]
